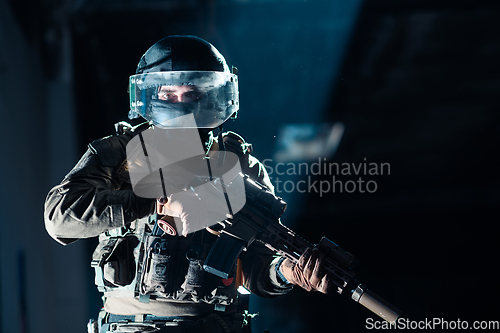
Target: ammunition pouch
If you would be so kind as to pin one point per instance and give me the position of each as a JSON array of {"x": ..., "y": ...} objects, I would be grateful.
[
  {"x": 155, "y": 267},
  {"x": 113, "y": 261},
  {"x": 172, "y": 267}
]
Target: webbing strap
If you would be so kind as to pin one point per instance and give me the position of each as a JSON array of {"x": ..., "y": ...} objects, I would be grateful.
[{"x": 99, "y": 280}]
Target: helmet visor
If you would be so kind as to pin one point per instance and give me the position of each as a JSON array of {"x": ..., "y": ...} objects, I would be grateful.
[{"x": 165, "y": 97}]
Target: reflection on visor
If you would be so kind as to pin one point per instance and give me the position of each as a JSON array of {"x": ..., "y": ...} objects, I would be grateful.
[{"x": 163, "y": 97}]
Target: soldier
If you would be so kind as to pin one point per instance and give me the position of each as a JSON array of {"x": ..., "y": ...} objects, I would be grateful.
[{"x": 156, "y": 281}]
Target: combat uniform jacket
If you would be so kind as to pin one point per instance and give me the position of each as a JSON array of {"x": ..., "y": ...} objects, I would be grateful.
[{"x": 96, "y": 199}]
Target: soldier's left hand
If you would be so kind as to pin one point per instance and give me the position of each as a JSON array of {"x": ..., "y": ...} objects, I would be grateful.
[{"x": 308, "y": 272}]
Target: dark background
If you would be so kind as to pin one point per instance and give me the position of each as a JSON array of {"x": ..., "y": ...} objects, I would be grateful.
[{"x": 414, "y": 83}]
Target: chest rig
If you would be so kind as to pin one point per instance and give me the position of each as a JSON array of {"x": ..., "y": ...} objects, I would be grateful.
[{"x": 139, "y": 261}]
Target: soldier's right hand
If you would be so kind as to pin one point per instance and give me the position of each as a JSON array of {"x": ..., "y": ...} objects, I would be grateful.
[{"x": 191, "y": 211}]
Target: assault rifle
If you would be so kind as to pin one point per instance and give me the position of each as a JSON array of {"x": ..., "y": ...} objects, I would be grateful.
[{"x": 259, "y": 221}]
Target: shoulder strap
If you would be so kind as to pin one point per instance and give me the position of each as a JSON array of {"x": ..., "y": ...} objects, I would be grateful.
[{"x": 123, "y": 127}]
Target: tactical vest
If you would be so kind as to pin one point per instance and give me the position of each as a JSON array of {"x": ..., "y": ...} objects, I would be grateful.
[{"x": 132, "y": 261}]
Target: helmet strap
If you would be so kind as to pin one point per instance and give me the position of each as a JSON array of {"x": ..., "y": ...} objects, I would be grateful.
[{"x": 222, "y": 148}]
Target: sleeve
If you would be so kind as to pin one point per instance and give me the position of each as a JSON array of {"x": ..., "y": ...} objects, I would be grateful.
[
  {"x": 90, "y": 200},
  {"x": 259, "y": 263}
]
